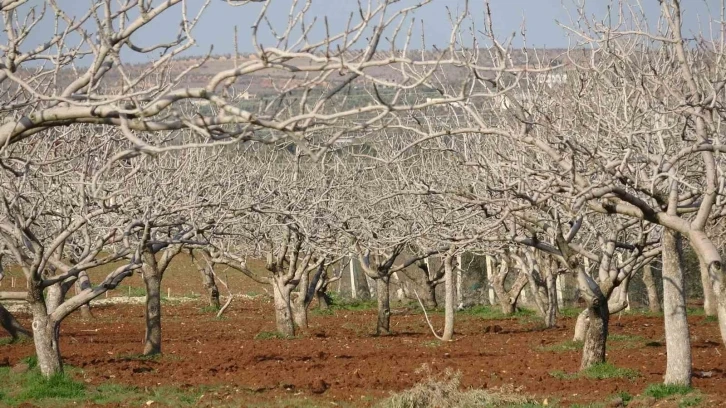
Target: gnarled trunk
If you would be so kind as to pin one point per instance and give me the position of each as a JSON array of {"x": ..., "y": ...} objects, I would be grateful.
[
  {"x": 45, "y": 335},
  {"x": 598, "y": 316},
  {"x": 593, "y": 350},
  {"x": 283, "y": 309},
  {"x": 383, "y": 323},
  {"x": 678, "y": 340},
  {"x": 210, "y": 285},
  {"x": 653, "y": 301},
  {"x": 152, "y": 338}
]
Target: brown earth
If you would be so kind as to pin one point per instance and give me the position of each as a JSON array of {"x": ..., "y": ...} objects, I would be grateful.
[{"x": 338, "y": 359}]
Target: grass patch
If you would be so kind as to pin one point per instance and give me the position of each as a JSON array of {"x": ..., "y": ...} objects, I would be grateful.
[
  {"x": 354, "y": 305},
  {"x": 564, "y": 347},
  {"x": 624, "y": 337},
  {"x": 690, "y": 401},
  {"x": 625, "y": 397},
  {"x": 495, "y": 313},
  {"x": 268, "y": 335},
  {"x": 6, "y": 341},
  {"x": 570, "y": 312},
  {"x": 710, "y": 319},
  {"x": 660, "y": 391},
  {"x": 443, "y": 390},
  {"x": 133, "y": 291},
  {"x": 209, "y": 309},
  {"x": 322, "y": 312},
  {"x": 59, "y": 386},
  {"x": 601, "y": 371},
  {"x": 64, "y": 390}
]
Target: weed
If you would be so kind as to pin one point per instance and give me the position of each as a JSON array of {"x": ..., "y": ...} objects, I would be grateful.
[
  {"x": 492, "y": 313},
  {"x": 268, "y": 335},
  {"x": 659, "y": 391},
  {"x": 624, "y": 337},
  {"x": 209, "y": 309},
  {"x": 354, "y": 305},
  {"x": 323, "y": 312},
  {"x": 710, "y": 319},
  {"x": 133, "y": 291},
  {"x": 564, "y": 347},
  {"x": 6, "y": 341},
  {"x": 600, "y": 371},
  {"x": 38, "y": 387},
  {"x": 443, "y": 390},
  {"x": 570, "y": 312},
  {"x": 625, "y": 397},
  {"x": 690, "y": 401}
]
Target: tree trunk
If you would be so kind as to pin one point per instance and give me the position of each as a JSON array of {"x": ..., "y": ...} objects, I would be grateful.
[
  {"x": 383, "y": 324},
  {"x": 581, "y": 325},
  {"x": 299, "y": 309},
  {"x": 653, "y": 301},
  {"x": 11, "y": 325},
  {"x": 450, "y": 299},
  {"x": 551, "y": 314},
  {"x": 429, "y": 296},
  {"x": 490, "y": 278},
  {"x": 710, "y": 301},
  {"x": 593, "y": 350},
  {"x": 459, "y": 283},
  {"x": 678, "y": 341},
  {"x": 45, "y": 336},
  {"x": 283, "y": 310},
  {"x": 54, "y": 297},
  {"x": 152, "y": 338},
  {"x": 83, "y": 283},
  {"x": 323, "y": 300},
  {"x": 210, "y": 285}
]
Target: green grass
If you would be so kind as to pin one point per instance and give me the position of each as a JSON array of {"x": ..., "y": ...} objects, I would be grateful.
[
  {"x": 133, "y": 291},
  {"x": 660, "y": 391},
  {"x": 690, "y": 401},
  {"x": 322, "y": 312},
  {"x": 5, "y": 341},
  {"x": 495, "y": 313},
  {"x": 355, "y": 305},
  {"x": 601, "y": 371},
  {"x": 710, "y": 319},
  {"x": 564, "y": 347},
  {"x": 65, "y": 390},
  {"x": 570, "y": 311},
  {"x": 625, "y": 397},
  {"x": 209, "y": 309},
  {"x": 625, "y": 337},
  {"x": 268, "y": 335}
]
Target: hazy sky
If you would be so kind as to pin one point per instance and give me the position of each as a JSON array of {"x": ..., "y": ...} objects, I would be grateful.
[{"x": 539, "y": 16}]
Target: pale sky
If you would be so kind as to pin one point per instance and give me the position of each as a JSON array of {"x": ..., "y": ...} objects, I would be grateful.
[{"x": 539, "y": 17}]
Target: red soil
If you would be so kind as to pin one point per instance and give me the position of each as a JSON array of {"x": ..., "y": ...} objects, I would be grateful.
[{"x": 339, "y": 359}]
